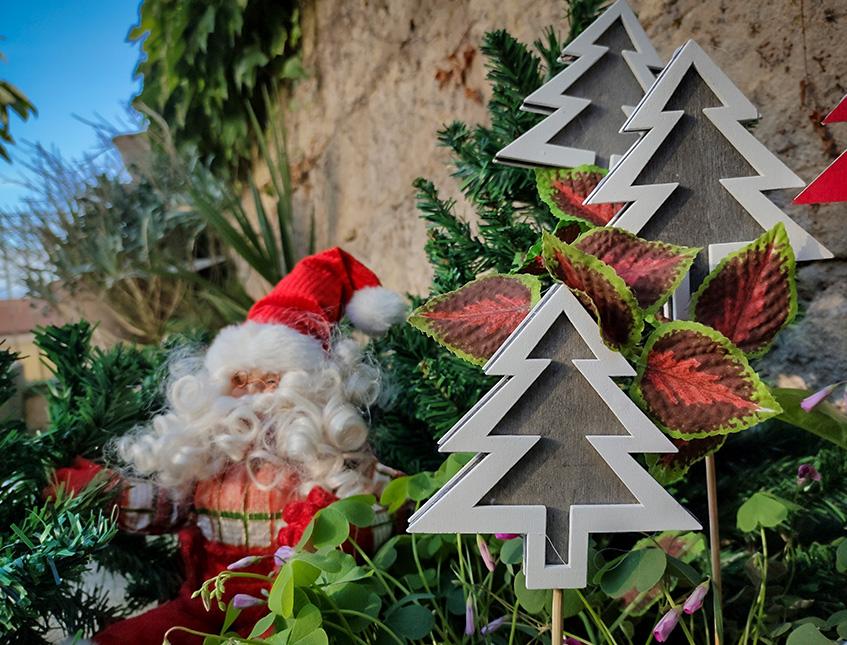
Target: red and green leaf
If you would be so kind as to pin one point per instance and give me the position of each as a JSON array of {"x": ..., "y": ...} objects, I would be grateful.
[
  {"x": 653, "y": 270},
  {"x": 531, "y": 262},
  {"x": 751, "y": 295},
  {"x": 564, "y": 190},
  {"x": 695, "y": 383},
  {"x": 667, "y": 468},
  {"x": 602, "y": 291},
  {"x": 476, "y": 319}
]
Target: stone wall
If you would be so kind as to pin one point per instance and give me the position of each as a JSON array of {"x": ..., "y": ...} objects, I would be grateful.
[{"x": 385, "y": 75}]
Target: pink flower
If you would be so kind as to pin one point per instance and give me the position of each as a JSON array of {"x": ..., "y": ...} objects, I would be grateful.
[
  {"x": 485, "y": 553},
  {"x": 571, "y": 641},
  {"x": 244, "y": 562},
  {"x": 470, "y": 628},
  {"x": 807, "y": 474},
  {"x": 243, "y": 600},
  {"x": 282, "y": 555},
  {"x": 665, "y": 626},
  {"x": 808, "y": 404},
  {"x": 506, "y": 536},
  {"x": 493, "y": 626},
  {"x": 695, "y": 600}
]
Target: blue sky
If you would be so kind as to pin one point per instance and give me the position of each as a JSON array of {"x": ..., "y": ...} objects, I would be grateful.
[{"x": 70, "y": 58}]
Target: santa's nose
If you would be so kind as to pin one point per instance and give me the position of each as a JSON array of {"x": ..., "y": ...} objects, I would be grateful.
[{"x": 257, "y": 387}]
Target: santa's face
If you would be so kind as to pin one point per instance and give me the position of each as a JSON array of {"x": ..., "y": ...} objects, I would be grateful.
[{"x": 252, "y": 382}]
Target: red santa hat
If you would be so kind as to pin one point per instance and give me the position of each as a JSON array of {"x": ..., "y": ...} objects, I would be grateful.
[{"x": 290, "y": 327}]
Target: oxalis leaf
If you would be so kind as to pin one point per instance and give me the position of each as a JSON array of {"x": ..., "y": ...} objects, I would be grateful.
[
  {"x": 762, "y": 509},
  {"x": 565, "y": 189},
  {"x": 653, "y": 270},
  {"x": 697, "y": 384},
  {"x": 639, "y": 569},
  {"x": 602, "y": 291},
  {"x": 752, "y": 294},
  {"x": 667, "y": 468},
  {"x": 474, "y": 320}
]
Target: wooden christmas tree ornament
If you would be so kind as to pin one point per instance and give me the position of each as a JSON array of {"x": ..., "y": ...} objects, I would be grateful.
[
  {"x": 697, "y": 176},
  {"x": 554, "y": 439},
  {"x": 587, "y": 102}
]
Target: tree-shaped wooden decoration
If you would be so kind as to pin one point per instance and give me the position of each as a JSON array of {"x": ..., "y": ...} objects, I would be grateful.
[
  {"x": 831, "y": 184},
  {"x": 589, "y": 100},
  {"x": 697, "y": 177},
  {"x": 554, "y": 439}
]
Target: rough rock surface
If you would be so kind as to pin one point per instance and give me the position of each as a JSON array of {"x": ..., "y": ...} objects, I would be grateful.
[{"x": 385, "y": 75}]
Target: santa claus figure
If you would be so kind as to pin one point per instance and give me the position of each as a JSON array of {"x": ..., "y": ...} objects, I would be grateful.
[{"x": 266, "y": 429}]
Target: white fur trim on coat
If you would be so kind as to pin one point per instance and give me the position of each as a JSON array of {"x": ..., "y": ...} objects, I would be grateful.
[
  {"x": 375, "y": 309},
  {"x": 269, "y": 347}
]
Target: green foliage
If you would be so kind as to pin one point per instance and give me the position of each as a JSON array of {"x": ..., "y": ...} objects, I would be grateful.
[
  {"x": 159, "y": 251},
  {"x": 824, "y": 420},
  {"x": 268, "y": 246},
  {"x": 14, "y": 100},
  {"x": 432, "y": 387},
  {"x": 205, "y": 65},
  {"x": 139, "y": 247},
  {"x": 45, "y": 546}
]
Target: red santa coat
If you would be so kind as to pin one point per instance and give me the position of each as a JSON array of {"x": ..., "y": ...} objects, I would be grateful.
[{"x": 228, "y": 518}]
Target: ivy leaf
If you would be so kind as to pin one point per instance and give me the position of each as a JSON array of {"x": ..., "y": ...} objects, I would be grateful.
[
  {"x": 476, "y": 319},
  {"x": 653, "y": 270},
  {"x": 565, "y": 189},
  {"x": 752, "y": 294},
  {"x": 602, "y": 291},
  {"x": 667, "y": 468},
  {"x": 697, "y": 384}
]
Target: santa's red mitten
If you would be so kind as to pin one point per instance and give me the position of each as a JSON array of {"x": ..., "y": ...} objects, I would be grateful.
[
  {"x": 297, "y": 515},
  {"x": 74, "y": 478}
]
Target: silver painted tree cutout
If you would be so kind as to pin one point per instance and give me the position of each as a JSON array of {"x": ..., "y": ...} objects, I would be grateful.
[
  {"x": 554, "y": 439},
  {"x": 589, "y": 100}
]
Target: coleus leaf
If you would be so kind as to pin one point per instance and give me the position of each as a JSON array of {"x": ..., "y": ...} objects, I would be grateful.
[
  {"x": 752, "y": 294},
  {"x": 696, "y": 384},
  {"x": 653, "y": 270},
  {"x": 474, "y": 320},
  {"x": 602, "y": 291},
  {"x": 564, "y": 190},
  {"x": 531, "y": 262},
  {"x": 667, "y": 468}
]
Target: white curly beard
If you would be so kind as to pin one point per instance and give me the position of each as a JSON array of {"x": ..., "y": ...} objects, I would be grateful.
[{"x": 312, "y": 423}]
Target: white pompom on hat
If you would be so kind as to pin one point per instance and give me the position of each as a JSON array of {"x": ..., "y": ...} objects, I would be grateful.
[{"x": 289, "y": 329}]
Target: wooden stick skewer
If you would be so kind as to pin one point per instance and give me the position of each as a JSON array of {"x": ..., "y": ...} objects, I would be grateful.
[
  {"x": 714, "y": 543},
  {"x": 557, "y": 615}
]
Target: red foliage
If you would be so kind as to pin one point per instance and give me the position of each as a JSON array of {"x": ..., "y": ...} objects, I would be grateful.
[
  {"x": 751, "y": 296},
  {"x": 651, "y": 269},
  {"x": 569, "y": 193},
  {"x": 479, "y": 317},
  {"x": 696, "y": 384}
]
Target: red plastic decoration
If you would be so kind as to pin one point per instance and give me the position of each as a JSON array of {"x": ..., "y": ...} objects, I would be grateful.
[{"x": 831, "y": 185}]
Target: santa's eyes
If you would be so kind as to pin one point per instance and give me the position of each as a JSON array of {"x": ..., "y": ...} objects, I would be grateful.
[{"x": 242, "y": 380}]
